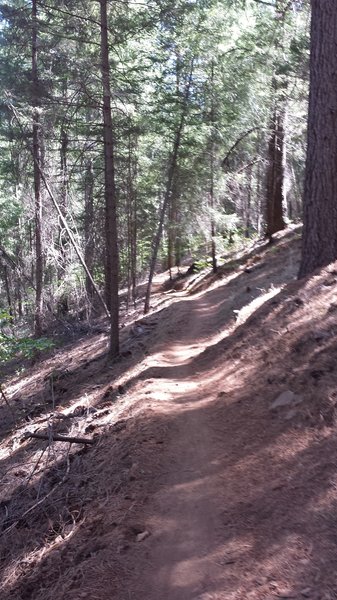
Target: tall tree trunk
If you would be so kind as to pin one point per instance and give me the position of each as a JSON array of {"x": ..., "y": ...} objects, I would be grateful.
[
  {"x": 172, "y": 229},
  {"x": 64, "y": 142},
  {"x": 170, "y": 237},
  {"x": 320, "y": 189},
  {"x": 276, "y": 200},
  {"x": 8, "y": 291},
  {"x": 211, "y": 189},
  {"x": 211, "y": 195},
  {"x": 132, "y": 219},
  {"x": 275, "y": 177},
  {"x": 37, "y": 177},
  {"x": 88, "y": 226},
  {"x": 111, "y": 266},
  {"x": 248, "y": 211},
  {"x": 167, "y": 196}
]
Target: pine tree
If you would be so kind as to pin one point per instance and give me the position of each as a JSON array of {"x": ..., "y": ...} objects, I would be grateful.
[{"x": 320, "y": 191}]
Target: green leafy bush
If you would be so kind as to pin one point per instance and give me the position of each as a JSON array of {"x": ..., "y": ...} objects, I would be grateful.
[{"x": 13, "y": 347}]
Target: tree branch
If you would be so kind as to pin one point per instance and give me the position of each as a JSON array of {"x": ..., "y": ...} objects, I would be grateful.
[
  {"x": 231, "y": 150},
  {"x": 58, "y": 438}
]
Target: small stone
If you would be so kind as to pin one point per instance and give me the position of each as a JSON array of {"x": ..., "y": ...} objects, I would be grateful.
[
  {"x": 261, "y": 580},
  {"x": 123, "y": 548},
  {"x": 142, "y": 536},
  {"x": 291, "y": 414},
  {"x": 134, "y": 472},
  {"x": 306, "y": 592},
  {"x": 286, "y": 399}
]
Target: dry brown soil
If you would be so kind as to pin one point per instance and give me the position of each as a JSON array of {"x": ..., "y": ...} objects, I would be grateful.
[{"x": 196, "y": 488}]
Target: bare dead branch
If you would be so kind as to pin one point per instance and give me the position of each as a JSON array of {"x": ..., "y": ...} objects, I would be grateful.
[
  {"x": 5, "y": 399},
  {"x": 238, "y": 141},
  {"x": 58, "y": 438}
]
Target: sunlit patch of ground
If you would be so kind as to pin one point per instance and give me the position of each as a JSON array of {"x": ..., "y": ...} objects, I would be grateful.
[{"x": 238, "y": 499}]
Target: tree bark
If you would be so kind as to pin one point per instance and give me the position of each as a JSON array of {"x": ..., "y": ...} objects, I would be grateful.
[
  {"x": 132, "y": 224},
  {"x": 64, "y": 142},
  {"x": 275, "y": 177},
  {"x": 8, "y": 291},
  {"x": 37, "y": 177},
  {"x": 211, "y": 188},
  {"x": 111, "y": 266},
  {"x": 248, "y": 219},
  {"x": 320, "y": 189},
  {"x": 88, "y": 226}
]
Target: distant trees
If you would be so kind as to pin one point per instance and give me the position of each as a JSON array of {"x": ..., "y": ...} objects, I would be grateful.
[
  {"x": 137, "y": 169},
  {"x": 320, "y": 191}
]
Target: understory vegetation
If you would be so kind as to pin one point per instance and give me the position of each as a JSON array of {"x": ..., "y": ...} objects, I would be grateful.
[{"x": 205, "y": 104}]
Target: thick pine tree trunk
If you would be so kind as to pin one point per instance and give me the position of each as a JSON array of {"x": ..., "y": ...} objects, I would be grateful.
[
  {"x": 111, "y": 267},
  {"x": 275, "y": 177},
  {"x": 37, "y": 178},
  {"x": 320, "y": 188}
]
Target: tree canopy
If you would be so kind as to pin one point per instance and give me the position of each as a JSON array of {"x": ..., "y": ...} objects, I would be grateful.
[{"x": 187, "y": 122}]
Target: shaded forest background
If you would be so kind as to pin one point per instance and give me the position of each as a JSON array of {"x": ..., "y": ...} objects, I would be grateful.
[{"x": 137, "y": 137}]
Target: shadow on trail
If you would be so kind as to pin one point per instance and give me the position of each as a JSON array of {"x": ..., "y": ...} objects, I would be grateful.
[
  {"x": 278, "y": 519},
  {"x": 274, "y": 508},
  {"x": 91, "y": 367}
]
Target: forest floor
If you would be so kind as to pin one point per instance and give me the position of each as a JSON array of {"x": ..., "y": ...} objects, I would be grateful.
[{"x": 213, "y": 469}]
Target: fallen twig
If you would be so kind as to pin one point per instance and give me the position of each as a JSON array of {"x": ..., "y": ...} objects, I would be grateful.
[
  {"x": 58, "y": 438},
  {"x": 4, "y": 397}
]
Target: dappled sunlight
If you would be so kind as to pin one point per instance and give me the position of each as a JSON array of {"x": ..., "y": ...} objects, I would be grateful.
[
  {"x": 233, "y": 497},
  {"x": 247, "y": 310},
  {"x": 34, "y": 559}
]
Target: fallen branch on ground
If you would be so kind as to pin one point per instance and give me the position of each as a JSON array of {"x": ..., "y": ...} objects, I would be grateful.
[
  {"x": 58, "y": 438},
  {"x": 4, "y": 397}
]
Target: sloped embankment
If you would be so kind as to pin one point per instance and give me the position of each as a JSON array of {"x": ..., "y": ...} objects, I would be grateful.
[{"x": 213, "y": 469}]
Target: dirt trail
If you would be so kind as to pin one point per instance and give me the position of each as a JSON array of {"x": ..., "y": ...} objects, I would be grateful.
[
  {"x": 184, "y": 513},
  {"x": 197, "y": 489},
  {"x": 187, "y": 555}
]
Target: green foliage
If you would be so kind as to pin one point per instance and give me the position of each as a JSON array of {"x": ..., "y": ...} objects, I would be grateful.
[
  {"x": 11, "y": 347},
  {"x": 236, "y": 53},
  {"x": 24, "y": 347}
]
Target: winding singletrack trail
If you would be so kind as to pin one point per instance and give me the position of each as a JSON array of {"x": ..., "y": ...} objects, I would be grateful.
[
  {"x": 204, "y": 534},
  {"x": 198, "y": 487},
  {"x": 185, "y": 512},
  {"x": 241, "y": 496}
]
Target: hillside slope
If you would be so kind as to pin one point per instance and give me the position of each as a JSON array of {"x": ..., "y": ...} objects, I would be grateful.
[{"x": 213, "y": 469}]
